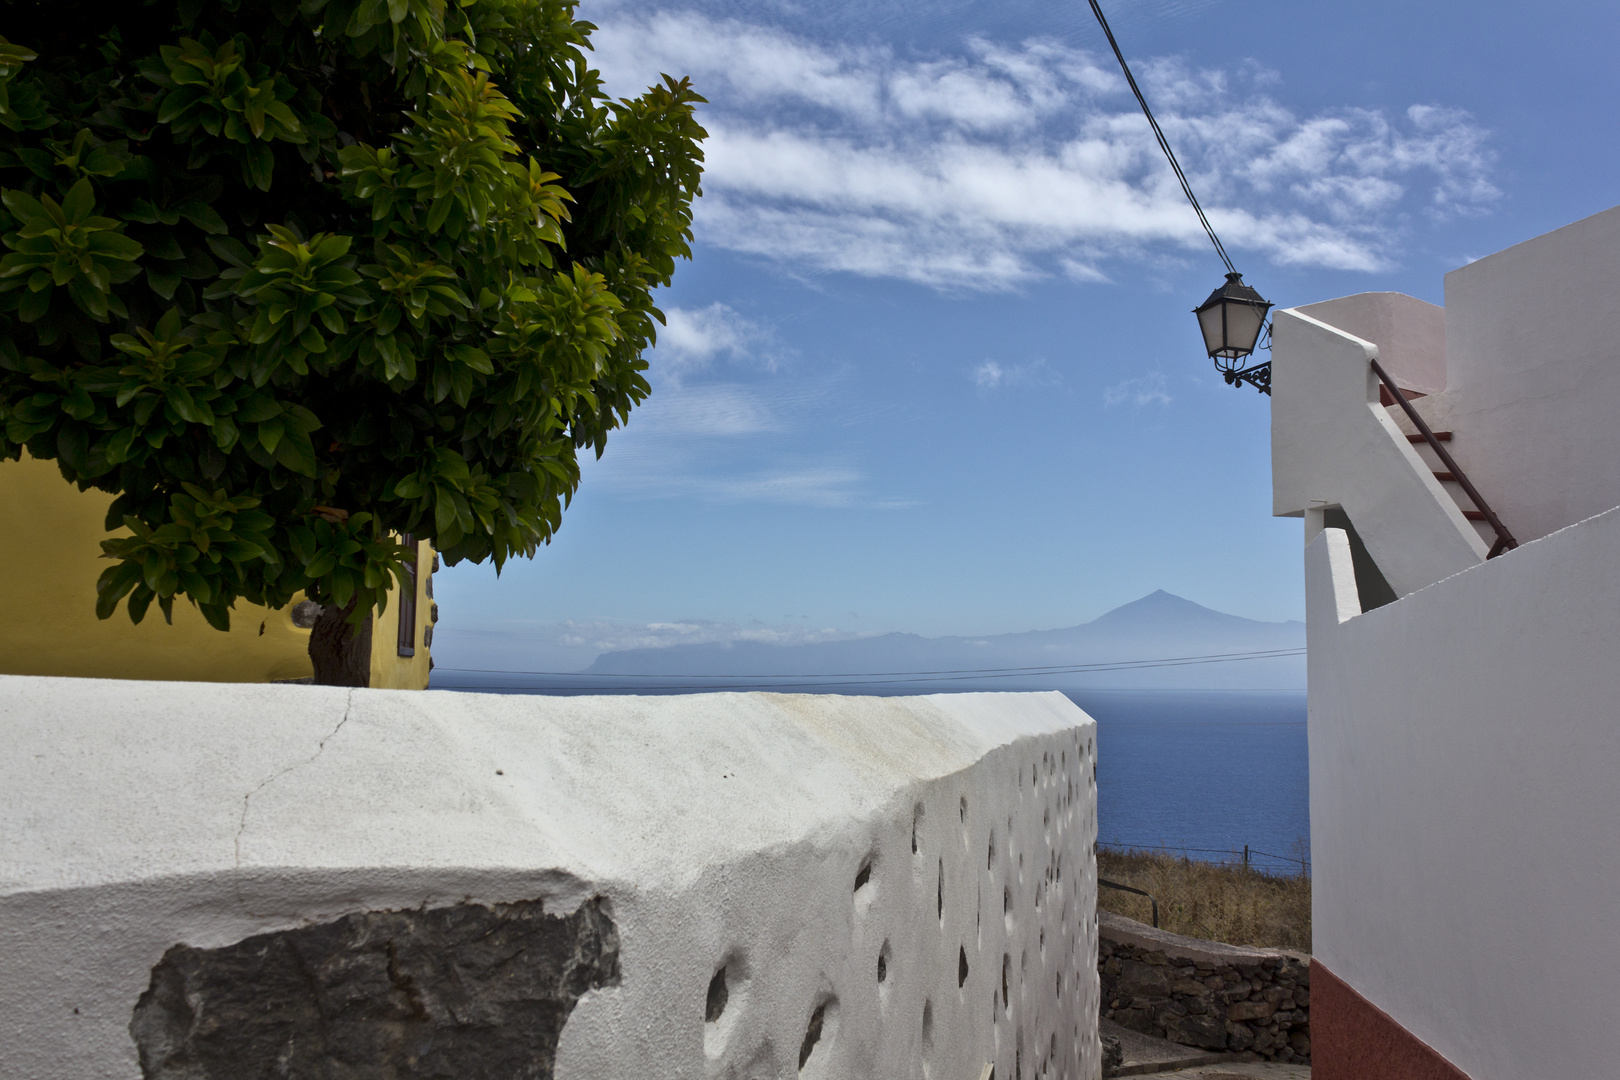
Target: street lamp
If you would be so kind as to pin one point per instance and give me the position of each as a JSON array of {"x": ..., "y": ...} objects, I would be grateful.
[
  {"x": 1231, "y": 320},
  {"x": 1234, "y": 316}
]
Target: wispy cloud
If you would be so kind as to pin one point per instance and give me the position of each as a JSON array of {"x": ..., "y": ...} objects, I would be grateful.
[
  {"x": 1145, "y": 390},
  {"x": 692, "y": 339},
  {"x": 1007, "y": 163},
  {"x": 715, "y": 411},
  {"x": 605, "y": 635},
  {"x": 725, "y": 402},
  {"x": 569, "y": 646},
  {"x": 993, "y": 374},
  {"x": 694, "y": 474}
]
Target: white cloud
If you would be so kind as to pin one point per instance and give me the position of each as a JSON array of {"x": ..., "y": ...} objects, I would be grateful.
[
  {"x": 526, "y": 645},
  {"x": 1147, "y": 389},
  {"x": 712, "y": 411},
  {"x": 692, "y": 338},
  {"x": 993, "y": 374},
  {"x": 605, "y": 635},
  {"x": 1007, "y": 163},
  {"x": 817, "y": 485},
  {"x": 696, "y": 475}
]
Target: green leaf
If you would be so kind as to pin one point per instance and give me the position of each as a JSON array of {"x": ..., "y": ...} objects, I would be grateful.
[
  {"x": 162, "y": 282},
  {"x": 475, "y": 358},
  {"x": 81, "y": 199},
  {"x": 270, "y": 433},
  {"x": 203, "y": 216},
  {"x": 22, "y": 205},
  {"x": 232, "y": 251}
]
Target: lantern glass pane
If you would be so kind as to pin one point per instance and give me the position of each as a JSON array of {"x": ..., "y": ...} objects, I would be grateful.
[
  {"x": 1209, "y": 322},
  {"x": 1243, "y": 323}
]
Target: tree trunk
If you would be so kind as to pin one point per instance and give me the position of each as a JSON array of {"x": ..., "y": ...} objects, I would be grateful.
[{"x": 340, "y": 653}]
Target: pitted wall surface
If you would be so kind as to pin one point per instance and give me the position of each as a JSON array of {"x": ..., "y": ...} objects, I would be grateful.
[{"x": 798, "y": 886}]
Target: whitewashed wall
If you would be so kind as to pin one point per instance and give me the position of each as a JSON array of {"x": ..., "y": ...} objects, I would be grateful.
[
  {"x": 1533, "y": 375},
  {"x": 1522, "y": 364},
  {"x": 1333, "y": 444},
  {"x": 1464, "y": 755},
  {"x": 790, "y": 840}
]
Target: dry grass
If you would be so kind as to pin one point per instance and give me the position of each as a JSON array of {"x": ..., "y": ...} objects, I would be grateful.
[{"x": 1207, "y": 900}]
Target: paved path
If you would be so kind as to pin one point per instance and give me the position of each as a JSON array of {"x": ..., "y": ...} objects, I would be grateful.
[
  {"x": 1146, "y": 1055},
  {"x": 1242, "y": 1070}
]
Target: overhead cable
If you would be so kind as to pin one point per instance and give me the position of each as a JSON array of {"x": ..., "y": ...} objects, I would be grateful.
[
  {"x": 1164, "y": 144},
  {"x": 836, "y": 681},
  {"x": 1042, "y": 669}
]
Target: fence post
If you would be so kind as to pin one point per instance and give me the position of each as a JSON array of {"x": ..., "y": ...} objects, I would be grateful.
[{"x": 1245, "y": 856}]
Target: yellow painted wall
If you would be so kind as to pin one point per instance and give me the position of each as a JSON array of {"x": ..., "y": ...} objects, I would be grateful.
[
  {"x": 388, "y": 668},
  {"x": 50, "y": 557}
]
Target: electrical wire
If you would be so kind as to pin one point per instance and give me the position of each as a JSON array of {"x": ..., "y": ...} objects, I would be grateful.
[
  {"x": 1164, "y": 144},
  {"x": 850, "y": 680},
  {"x": 1037, "y": 669}
]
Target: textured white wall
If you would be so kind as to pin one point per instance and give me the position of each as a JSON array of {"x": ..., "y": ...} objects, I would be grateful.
[
  {"x": 725, "y": 830},
  {"x": 1464, "y": 749}
]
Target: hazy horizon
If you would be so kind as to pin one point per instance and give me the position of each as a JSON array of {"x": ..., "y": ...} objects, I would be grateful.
[{"x": 1187, "y": 645}]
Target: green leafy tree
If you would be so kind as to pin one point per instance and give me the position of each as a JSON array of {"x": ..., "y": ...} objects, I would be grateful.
[{"x": 292, "y": 279}]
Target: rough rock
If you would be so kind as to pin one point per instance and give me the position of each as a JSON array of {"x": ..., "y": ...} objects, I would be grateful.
[
  {"x": 1144, "y": 979},
  {"x": 1113, "y": 1055},
  {"x": 458, "y": 993},
  {"x": 1204, "y": 1031},
  {"x": 1205, "y": 994},
  {"x": 1250, "y": 1010}
]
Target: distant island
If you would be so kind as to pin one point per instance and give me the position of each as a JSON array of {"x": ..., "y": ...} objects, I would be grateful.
[{"x": 1191, "y": 647}]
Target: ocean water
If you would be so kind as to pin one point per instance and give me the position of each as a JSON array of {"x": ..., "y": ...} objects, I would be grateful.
[{"x": 1205, "y": 772}]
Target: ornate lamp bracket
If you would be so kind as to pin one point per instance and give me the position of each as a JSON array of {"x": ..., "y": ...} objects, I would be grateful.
[{"x": 1258, "y": 376}]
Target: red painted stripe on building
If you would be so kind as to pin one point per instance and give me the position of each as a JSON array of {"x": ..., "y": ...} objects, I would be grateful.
[{"x": 1353, "y": 1039}]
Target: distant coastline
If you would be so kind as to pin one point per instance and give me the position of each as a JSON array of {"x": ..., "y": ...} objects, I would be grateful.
[{"x": 1158, "y": 642}]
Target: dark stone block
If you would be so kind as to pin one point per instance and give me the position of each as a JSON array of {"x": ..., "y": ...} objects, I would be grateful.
[
  {"x": 1139, "y": 1020},
  {"x": 1202, "y": 1031},
  {"x": 459, "y": 993},
  {"x": 1145, "y": 979},
  {"x": 1113, "y": 1055}
]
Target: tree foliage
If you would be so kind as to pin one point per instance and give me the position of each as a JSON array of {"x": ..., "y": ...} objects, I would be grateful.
[{"x": 291, "y": 278}]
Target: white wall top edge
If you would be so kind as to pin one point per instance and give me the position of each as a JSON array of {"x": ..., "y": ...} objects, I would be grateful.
[{"x": 107, "y": 781}]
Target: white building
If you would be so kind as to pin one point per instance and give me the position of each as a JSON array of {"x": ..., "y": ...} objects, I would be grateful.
[{"x": 1464, "y": 710}]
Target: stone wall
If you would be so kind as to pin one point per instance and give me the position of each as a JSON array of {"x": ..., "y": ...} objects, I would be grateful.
[
  {"x": 1204, "y": 993},
  {"x": 209, "y": 882}
]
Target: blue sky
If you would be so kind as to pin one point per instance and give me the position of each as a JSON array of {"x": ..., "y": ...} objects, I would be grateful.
[{"x": 932, "y": 368}]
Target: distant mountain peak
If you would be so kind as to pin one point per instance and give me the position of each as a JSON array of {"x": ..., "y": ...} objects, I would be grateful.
[{"x": 1158, "y": 609}]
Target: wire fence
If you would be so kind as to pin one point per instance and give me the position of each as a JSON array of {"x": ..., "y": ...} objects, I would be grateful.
[{"x": 1246, "y": 856}]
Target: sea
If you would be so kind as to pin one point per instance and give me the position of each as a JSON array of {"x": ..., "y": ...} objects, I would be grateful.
[{"x": 1216, "y": 775}]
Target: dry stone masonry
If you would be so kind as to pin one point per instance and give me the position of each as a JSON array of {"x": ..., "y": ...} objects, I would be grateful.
[
  {"x": 208, "y": 881},
  {"x": 1204, "y": 993}
]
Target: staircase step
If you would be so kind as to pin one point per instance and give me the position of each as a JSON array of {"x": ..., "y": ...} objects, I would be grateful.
[
  {"x": 1444, "y": 476},
  {"x": 1443, "y": 436},
  {"x": 1386, "y": 398}
]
